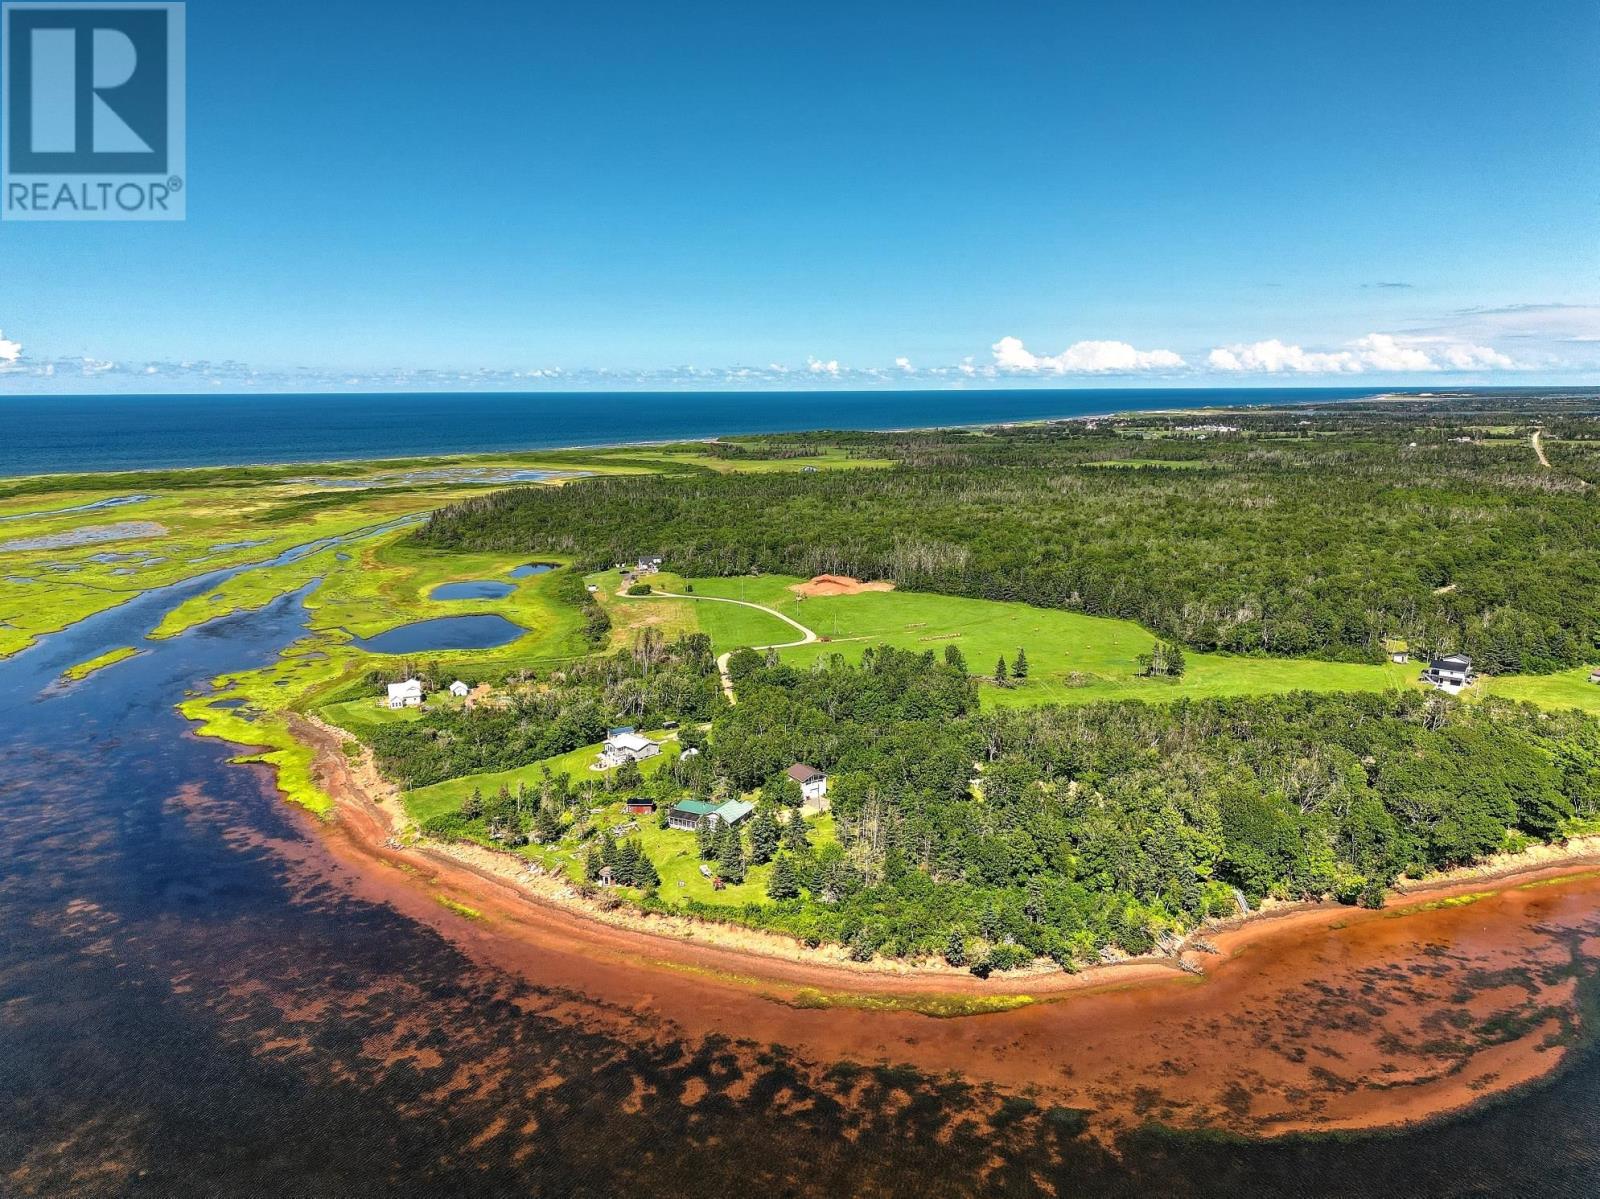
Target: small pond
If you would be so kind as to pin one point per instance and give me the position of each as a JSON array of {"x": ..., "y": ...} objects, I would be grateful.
[
  {"x": 475, "y": 589},
  {"x": 531, "y": 568},
  {"x": 443, "y": 632}
]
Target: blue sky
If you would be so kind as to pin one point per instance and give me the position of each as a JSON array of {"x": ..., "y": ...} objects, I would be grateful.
[{"x": 921, "y": 194}]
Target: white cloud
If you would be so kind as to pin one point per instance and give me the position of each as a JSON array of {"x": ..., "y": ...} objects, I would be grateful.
[
  {"x": 817, "y": 367},
  {"x": 905, "y": 364},
  {"x": 1084, "y": 357},
  {"x": 1388, "y": 353},
  {"x": 10, "y": 351}
]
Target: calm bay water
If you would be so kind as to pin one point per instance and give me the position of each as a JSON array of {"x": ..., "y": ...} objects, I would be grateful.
[
  {"x": 198, "y": 1000},
  {"x": 54, "y": 434}
]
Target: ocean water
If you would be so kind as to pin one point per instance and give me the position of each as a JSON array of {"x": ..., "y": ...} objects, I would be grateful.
[{"x": 54, "y": 434}]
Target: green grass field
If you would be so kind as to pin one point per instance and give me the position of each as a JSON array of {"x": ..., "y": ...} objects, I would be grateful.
[
  {"x": 1569, "y": 689},
  {"x": 1073, "y": 658},
  {"x": 424, "y": 802}
]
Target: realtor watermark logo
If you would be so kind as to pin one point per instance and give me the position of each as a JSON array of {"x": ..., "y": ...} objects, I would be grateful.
[{"x": 91, "y": 111}]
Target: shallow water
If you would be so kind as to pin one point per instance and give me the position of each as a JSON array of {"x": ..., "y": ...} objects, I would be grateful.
[
  {"x": 87, "y": 535},
  {"x": 480, "y": 631},
  {"x": 473, "y": 590},
  {"x": 200, "y": 998},
  {"x": 529, "y": 569}
]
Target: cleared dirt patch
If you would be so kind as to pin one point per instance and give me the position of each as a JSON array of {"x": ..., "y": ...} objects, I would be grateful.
[{"x": 838, "y": 585}]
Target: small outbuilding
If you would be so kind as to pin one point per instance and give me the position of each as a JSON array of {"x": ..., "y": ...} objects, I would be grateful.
[
  {"x": 406, "y": 695},
  {"x": 1594, "y": 676},
  {"x": 459, "y": 689},
  {"x": 640, "y": 806}
]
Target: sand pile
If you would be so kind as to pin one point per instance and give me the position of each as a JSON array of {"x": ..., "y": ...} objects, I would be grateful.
[{"x": 839, "y": 585}]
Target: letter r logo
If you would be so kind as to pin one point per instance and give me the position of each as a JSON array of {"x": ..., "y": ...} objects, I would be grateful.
[{"x": 87, "y": 89}]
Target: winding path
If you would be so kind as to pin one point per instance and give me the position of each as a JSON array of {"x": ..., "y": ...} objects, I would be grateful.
[
  {"x": 806, "y": 638},
  {"x": 1538, "y": 448}
]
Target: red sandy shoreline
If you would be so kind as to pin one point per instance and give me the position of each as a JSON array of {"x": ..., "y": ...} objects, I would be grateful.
[{"x": 1314, "y": 1018}]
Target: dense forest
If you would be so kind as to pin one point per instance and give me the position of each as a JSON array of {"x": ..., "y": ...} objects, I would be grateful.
[
  {"x": 1079, "y": 833},
  {"x": 1287, "y": 532}
]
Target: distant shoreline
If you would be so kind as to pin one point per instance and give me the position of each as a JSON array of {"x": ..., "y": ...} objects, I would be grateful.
[{"x": 109, "y": 438}]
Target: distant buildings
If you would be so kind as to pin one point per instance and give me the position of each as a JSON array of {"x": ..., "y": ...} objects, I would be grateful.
[
  {"x": 625, "y": 745},
  {"x": 406, "y": 695},
  {"x": 1450, "y": 673}
]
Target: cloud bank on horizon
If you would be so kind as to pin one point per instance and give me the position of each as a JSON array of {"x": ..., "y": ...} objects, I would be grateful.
[{"x": 1557, "y": 341}]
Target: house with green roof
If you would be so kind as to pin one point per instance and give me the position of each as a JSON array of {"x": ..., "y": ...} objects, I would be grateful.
[
  {"x": 734, "y": 812},
  {"x": 687, "y": 814}
]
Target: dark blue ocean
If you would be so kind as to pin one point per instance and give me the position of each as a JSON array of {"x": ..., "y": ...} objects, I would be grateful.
[{"x": 52, "y": 434}]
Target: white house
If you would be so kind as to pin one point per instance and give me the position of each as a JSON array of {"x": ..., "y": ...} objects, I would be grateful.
[
  {"x": 459, "y": 689},
  {"x": 813, "y": 787},
  {"x": 1450, "y": 673},
  {"x": 406, "y": 695},
  {"x": 627, "y": 746}
]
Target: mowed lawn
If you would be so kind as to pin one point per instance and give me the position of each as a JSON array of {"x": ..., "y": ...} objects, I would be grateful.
[
  {"x": 729, "y": 626},
  {"x": 1072, "y": 658},
  {"x": 1569, "y": 689},
  {"x": 424, "y": 802}
]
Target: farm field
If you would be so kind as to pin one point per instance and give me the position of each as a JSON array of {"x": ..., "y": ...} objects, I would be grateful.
[{"x": 1073, "y": 658}]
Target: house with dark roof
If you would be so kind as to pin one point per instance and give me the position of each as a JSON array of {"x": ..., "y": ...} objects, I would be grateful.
[
  {"x": 813, "y": 787},
  {"x": 1450, "y": 673}
]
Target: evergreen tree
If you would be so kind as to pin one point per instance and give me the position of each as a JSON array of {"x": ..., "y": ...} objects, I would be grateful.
[
  {"x": 547, "y": 824},
  {"x": 955, "y": 949},
  {"x": 730, "y": 859},
  {"x": 608, "y": 850},
  {"x": 1175, "y": 662},
  {"x": 955, "y": 658},
  {"x": 645, "y": 875},
  {"x": 472, "y": 809},
  {"x": 785, "y": 882},
  {"x": 1000, "y": 675},
  {"x": 627, "y": 868},
  {"x": 764, "y": 833},
  {"x": 795, "y": 839},
  {"x": 592, "y": 864},
  {"x": 1020, "y": 670},
  {"x": 704, "y": 839}
]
